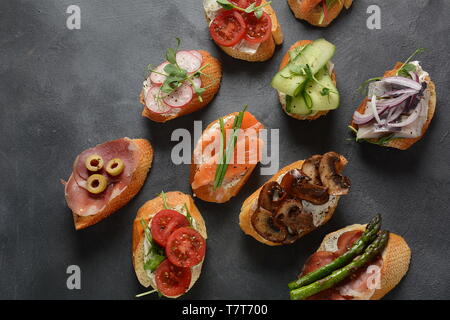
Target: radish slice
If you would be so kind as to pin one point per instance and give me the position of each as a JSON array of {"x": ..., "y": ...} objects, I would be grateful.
[
  {"x": 157, "y": 78},
  {"x": 180, "y": 97},
  {"x": 197, "y": 54},
  {"x": 188, "y": 61},
  {"x": 153, "y": 104},
  {"x": 197, "y": 82}
]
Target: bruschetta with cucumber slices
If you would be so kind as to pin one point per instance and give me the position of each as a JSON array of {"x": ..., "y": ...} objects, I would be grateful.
[
  {"x": 319, "y": 13},
  {"x": 244, "y": 29},
  {"x": 186, "y": 82},
  {"x": 306, "y": 81},
  {"x": 169, "y": 244}
]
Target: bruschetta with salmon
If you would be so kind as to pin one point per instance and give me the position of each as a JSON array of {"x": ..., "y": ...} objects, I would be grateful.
[
  {"x": 358, "y": 262},
  {"x": 105, "y": 178},
  {"x": 186, "y": 82},
  {"x": 225, "y": 156},
  {"x": 169, "y": 244},
  {"x": 300, "y": 198},
  {"x": 244, "y": 29},
  {"x": 319, "y": 13}
]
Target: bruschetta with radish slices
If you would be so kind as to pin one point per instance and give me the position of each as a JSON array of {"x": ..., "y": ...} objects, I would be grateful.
[
  {"x": 105, "y": 178},
  {"x": 297, "y": 200},
  {"x": 398, "y": 108},
  {"x": 186, "y": 82},
  {"x": 169, "y": 244},
  {"x": 319, "y": 13},
  {"x": 358, "y": 262},
  {"x": 244, "y": 29},
  {"x": 225, "y": 156}
]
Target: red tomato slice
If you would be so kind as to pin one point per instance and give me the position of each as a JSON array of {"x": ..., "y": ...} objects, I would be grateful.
[
  {"x": 258, "y": 30},
  {"x": 347, "y": 239},
  {"x": 228, "y": 28},
  {"x": 172, "y": 280},
  {"x": 164, "y": 223},
  {"x": 185, "y": 247}
]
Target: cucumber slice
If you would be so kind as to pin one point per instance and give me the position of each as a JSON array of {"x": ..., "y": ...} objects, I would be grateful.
[{"x": 316, "y": 55}]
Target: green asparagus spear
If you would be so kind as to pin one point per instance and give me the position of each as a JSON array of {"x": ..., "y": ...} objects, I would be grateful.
[
  {"x": 367, "y": 237},
  {"x": 371, "y": 252}
]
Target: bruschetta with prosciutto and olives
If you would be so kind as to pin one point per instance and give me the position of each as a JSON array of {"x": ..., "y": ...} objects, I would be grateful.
[
  {"x": 398, "y": 108},
  {"x": 105, "y": 178},
  {"x": 297, "y": 200},
  {"x": 319, "y": 13},
  {"x": 306, "y": 81},
  {"x": 244, "y": 29},
  {"x": 186, "y": 82},
  {"x": 225, "y": 156},
  {"x": 169, "y": 244},
  {"x": 359, "y": 262}
]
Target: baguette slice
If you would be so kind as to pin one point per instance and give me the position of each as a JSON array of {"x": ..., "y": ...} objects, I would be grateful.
[
  {"x": 146, "y": 212},
  {"x": 210, "y": 81},
  {"x": 267, "y": 48},
  {"x": 405, "y": 143},
  {"x": 137, "y": 181},
  {"x": 250, "y": 205},
  {"x": 314, "y": 15},
  {"x": 396, "y": 258}
]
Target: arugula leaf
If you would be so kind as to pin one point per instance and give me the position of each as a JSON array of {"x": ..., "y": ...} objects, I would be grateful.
[
  {"x": 227, "y": 5},
  {"x": 164, "y": 199},
  {"x": 155, "y": 256},
  {"x": 188, "y": 215},
  {"x": 404, "y": 71}
]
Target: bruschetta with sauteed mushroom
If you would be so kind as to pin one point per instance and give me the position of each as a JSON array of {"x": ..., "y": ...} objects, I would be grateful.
[
  {"x": 244, "y": 29},
  {"x": 358, "y": 262},
  {"x": 105, "y": 178},
  {"x": 319, "y": 13},
  {"x": 306, "y": 81},
  {"x": 169, "y": 244},
  {"x": 297, "y": 200},
  {"x": 398, "y": 108},
  {"x": 225, "y": 156},
  {"x": 186, "y": 82}
]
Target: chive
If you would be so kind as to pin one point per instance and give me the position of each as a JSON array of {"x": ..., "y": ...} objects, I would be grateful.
[{"x": 164, "y": 198}]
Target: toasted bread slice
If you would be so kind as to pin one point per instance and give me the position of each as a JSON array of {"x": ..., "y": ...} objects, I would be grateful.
[
  {"x": 210, "y": 81},
  {"x": 310, "y": 11},
  {"x": 405, "y": 143},
  {"x": 284, "y": 63},
  {"x": 395, "y": 259},
  {"x": 146, "y": 212},
  {"x": 137, "y": 181},
  {"x": 267, "y": 48},
  {"x": 251, "y": 203}
]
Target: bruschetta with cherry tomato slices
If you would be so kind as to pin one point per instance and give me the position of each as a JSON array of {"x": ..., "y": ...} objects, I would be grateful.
[
  {"x": 319, "y": 13},
  {"x": 105, "y": 178},
  {"x": 225, "y": 156},
  {"x": 244, "y": 29},
  {"x": 186, "y": 82},
  {"x": 169, "y": 244}
]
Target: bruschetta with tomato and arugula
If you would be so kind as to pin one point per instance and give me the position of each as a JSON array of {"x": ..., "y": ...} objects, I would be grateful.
[
  {"x": 225, "y": 156},
  {"x": 244, "y": 29},
  {"x": 105, "y": 178},
  {"x": 358, "y": 262},
  {"x": 306, "y": 81},
  {"x": 398, "y": 108},
  {"x": 300, "y": 198},
  {"x": 169, "y": 244},
  {"x": 186, "y": 82},
  {"x": 319, "y": 13}
]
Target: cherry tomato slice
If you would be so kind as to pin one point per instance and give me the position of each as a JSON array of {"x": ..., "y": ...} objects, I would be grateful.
[
  {"x": 347, "y": 239},
  {"x": 228, "y": 28},
  {"x": 258, "y": 30},
  {"x": 164, "y": 223},
  {"x": 185, "y": 247},
  {"x": 172, "y": 280}
]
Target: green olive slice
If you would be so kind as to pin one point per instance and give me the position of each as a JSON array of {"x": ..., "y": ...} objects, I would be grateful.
[
  {"x": 115, "y": 167},
  {"x": 96, "y": 183},
  {"x": 94, "y": 163}
]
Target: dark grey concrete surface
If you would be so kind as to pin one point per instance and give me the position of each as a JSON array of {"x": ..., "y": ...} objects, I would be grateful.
[{"x": 62, "y": 91}]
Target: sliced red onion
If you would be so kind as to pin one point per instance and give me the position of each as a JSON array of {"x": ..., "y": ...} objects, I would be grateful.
[
  {"x": 361, "y": 119},
  {"x": 401, "y": 81},
  {"x": 394, "y": 101},
  {"x": 394, "y": 113},
  {"x": 412, "y": 117},
  {"x": 414, "y": 76},
  {"x": 373, "y": 105},
  {"x": 399, "y": 92}
]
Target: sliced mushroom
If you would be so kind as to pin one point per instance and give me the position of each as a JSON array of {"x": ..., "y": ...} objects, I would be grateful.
[
  {"x": 331, "y": 166},
  {"x": 271, "y": 195},
  {"x": 299, "y": 186},
  {"x": 263, "y": 223},
  {"x": 290, "y": 214},
  {"x": 310, "y": 169}
]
